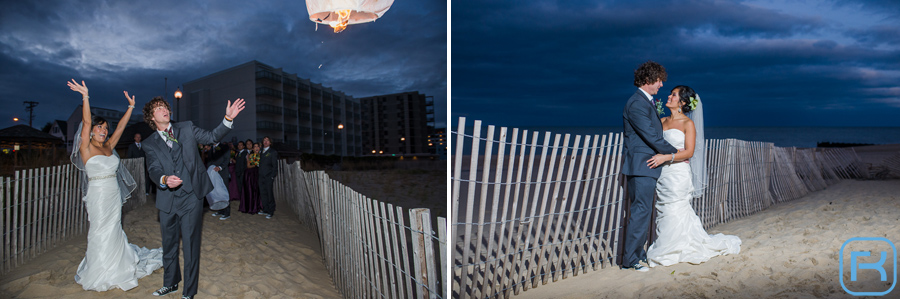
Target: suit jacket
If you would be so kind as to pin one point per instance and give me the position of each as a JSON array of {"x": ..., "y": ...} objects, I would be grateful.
[
  {"x": 240, "y": 163},
  {"x": 268, "y": 163},
  {"x": 643, "y": 136},
  {"x": 220, "y": 158},
  {"x": 134, "y": 151},
  {"x": 160, "y": 160}
]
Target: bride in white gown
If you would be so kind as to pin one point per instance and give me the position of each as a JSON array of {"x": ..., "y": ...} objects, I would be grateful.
[
  {"x": 110, "y": 261},
  {"x": 680, "y": 234}
]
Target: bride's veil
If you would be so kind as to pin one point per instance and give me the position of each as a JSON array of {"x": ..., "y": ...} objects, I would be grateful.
[
  {"x": 123, "y": 177},
  {"x": 698, "y": 161}
]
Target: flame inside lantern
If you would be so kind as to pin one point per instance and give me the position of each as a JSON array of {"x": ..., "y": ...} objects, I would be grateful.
[{"x": 343, "y": 20}]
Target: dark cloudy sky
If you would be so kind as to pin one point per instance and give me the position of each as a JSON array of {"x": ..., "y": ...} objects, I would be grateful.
[
  {"x": 133, "y": 45},
  {"x": 754, "y": 63}
]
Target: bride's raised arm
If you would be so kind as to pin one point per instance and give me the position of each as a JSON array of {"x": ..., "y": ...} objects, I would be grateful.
[
  {"x": 85, "y": 116},
  {"x": 114, "y": 139}
]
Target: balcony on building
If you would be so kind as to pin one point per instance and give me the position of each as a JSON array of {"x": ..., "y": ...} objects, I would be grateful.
[
  {"x": 290, "y": 113},
  {"x": 268, "y": 125},
  {"x": 290, "y": 98},
  {"x": 290, "y": 129},
  {"x": 268, "y": 93},
  {"x": 289, "y": 82},
  {"x": 269, "y": 109},
  {"x": 266, "y": 75}
]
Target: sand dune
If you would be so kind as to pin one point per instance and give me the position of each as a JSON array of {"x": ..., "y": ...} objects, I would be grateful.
[{"x": 246, "y": 256}]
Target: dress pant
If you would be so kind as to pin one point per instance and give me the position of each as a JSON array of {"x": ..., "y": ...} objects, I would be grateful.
[
  {"x": 266, "y": 196},
  {"x": 183, "y": 223},
  {"x": 641, "y": 191}
]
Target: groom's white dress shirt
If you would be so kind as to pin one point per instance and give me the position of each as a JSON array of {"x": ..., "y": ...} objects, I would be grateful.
[{"x": 648, "y": 95}]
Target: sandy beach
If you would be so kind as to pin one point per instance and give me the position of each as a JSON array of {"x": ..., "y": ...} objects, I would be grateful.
[
  {"x": 247, "y": 256},
  {"x": 790, "y": 250},
  {"x": 408, "y": 188}
]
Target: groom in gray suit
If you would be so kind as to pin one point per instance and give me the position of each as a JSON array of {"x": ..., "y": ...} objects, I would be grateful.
[
  {"x": 175, "y": 166},
  {"x": 643, "y": 139}
]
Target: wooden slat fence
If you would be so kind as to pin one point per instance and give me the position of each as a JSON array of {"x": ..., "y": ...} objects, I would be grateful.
[
  {"x": 892, "y": 163},
  {"x": 42, "y": 208},
  {"x": 372, "y": 249},
  {"x": 530, "y": 208}
]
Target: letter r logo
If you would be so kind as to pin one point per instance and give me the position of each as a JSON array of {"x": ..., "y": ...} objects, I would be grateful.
[
  {"x": 879, "y": 266},
  {"x": 874, "y": 266}
]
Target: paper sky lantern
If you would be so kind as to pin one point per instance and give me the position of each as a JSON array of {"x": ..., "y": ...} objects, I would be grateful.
[{"x": 340, "y": 13}]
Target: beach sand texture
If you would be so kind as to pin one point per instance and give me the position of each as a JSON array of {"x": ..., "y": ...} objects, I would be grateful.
[
  {"x": 247, "y": 256},
  {"x": 790, "y": 250}
]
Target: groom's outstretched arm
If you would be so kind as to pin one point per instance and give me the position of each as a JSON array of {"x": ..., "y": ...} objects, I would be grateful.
[
  {"x": 231, "y": 111},
  {"x": 206, "y": 137},
  {"x": 640, "y": 121},
  {"x": 154, "y": 167}
]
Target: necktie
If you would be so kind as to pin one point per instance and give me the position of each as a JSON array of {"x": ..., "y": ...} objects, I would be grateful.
[
  {"x": 139, "y": 146},
  {"x": 170, "y": 136}
]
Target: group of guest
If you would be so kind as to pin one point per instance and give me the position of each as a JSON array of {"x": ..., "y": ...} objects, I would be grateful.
[
  {"x": 248, "y": 170},
  {"x": 252, "y": 168}
]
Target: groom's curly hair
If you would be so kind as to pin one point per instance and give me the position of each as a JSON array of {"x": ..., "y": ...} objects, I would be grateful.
[
  {"x": 648, "y": 73},
  {"x": 150, "y": 106}
]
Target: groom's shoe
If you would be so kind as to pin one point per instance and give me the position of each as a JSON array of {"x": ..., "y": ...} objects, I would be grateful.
[
  {"x": 639, "y": 268},
  {"x": 187, "y": 297},
  {"x": 165, "y": 290}
]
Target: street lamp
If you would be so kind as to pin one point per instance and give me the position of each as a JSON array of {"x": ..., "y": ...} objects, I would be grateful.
[
  {"x": 15, "y": 119},
  {"x": 177, "y": 98},
  {"x": 402, "y": 145},
  {"x": 343, "y": 142}
]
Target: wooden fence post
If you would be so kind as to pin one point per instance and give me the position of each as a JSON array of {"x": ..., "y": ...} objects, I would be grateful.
[{"x": 421, "y": 254}]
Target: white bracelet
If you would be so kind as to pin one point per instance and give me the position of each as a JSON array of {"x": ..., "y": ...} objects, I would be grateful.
[
  {"x": 673, "y": 158},
  {"x": 130, "y": 106}
]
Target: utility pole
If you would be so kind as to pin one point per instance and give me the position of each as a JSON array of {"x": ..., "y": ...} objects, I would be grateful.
[{"x": 29, "y": 106}]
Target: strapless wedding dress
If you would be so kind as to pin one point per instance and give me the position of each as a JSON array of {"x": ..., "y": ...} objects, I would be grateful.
[
  {"x": 110, "y": 261},
  {"x": 681, "y": 237}
]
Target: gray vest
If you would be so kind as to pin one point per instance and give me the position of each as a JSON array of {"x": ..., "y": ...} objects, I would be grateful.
[{"x": 181, "y": 171}]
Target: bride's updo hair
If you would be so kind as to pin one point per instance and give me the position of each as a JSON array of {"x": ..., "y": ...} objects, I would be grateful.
[
  {"x": 685, "y": 93},
  {"x": 96, "y": 120}
]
